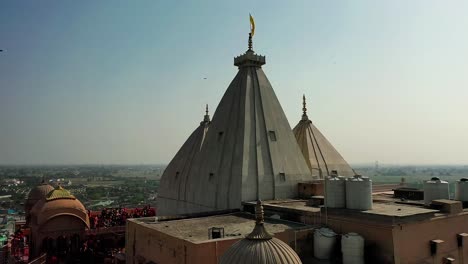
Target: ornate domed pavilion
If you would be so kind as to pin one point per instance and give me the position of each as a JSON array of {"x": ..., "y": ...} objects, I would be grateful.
[
  {"x": 55, "y": 219},
  {"x": 320, "y": 155},
  {"x": 260, "y": 247}
]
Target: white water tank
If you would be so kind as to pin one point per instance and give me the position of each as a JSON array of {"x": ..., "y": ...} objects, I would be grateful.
[
  {"x": 324, "y": 242},
  {"x": 352, "y": 247},
  {"x": 435, "y": 189},
  {"x": 461, "y": 190},
  {"x": 335, "y": 192},
  {"x": 359, "y": 193}
]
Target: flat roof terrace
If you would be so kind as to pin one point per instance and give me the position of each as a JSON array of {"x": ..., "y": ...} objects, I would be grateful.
[
  {"x": 385, "y": 212},
  {"x": 236, "y": 225}
]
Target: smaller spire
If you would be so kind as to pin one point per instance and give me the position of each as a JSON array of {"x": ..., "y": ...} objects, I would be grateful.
[
  {"x": 259, "y": 232},
  {"x": 304, "y": 108},
  {"x": 259, "y": 213},
  {"x": 250, "y": 42},
  {"x": 206, "y": 118}
]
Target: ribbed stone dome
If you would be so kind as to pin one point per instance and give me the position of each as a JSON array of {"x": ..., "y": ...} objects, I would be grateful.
[
  {"x": 173, "y": 184},
  {"x": 36, "y": 194},
  {"x": 58, "y": 202},
  {"x": 260, "y": 247}
]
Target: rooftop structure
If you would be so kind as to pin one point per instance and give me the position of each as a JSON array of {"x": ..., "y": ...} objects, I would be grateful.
[
  {"x": 260, "y": 246},
  {"x": 188, "y": 239},
  {"x": 248, "y": 153},
  {"x": 321, "y": 157}
]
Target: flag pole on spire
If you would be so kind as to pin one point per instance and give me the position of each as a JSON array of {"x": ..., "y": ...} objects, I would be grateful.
[{"x": 252, "y": 31}]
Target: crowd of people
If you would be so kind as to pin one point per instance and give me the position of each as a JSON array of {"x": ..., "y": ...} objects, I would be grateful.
[{"x": 110, "y": 217}]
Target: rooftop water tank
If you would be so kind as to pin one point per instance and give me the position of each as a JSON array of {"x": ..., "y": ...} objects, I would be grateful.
[
  {"x": 352, "y": 247},
  {"x": 435, "y": 189},
  {"x": 324, "y": 242},
  {"x": 359, "y": 193},
  {"x": 335, "y": 192},
  {"x": 461, "y": 191}
]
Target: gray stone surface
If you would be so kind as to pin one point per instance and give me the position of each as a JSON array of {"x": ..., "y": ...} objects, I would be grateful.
[
  {"x": 249, "y": 152},
  {"x": 174, "y": 179}
]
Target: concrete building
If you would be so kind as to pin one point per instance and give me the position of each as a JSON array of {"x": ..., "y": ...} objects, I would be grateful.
[
  {"x": 248, "y": 153},
  {"x": 202, "y": 237}
]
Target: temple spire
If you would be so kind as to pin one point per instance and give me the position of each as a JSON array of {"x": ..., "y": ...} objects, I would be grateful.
[{"x": 304, "y": 108}]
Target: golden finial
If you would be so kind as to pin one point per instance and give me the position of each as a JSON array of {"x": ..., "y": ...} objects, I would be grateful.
[
  {"x": 259, "y": 217},
  {"x": 259, "y": 232}
]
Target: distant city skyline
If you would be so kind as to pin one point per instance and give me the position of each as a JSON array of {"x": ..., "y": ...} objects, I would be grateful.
[{"x": 126, "y": 83}]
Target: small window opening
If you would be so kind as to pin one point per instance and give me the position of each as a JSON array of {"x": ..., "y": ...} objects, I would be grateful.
[
  {"x": 215, "y": 232},
  {"x": 282, "y": 176},
  {"x": 211, "y": 176},
  {"x": 177, "y": 174},
  {"x": 220, "y": 135},
  {"x": 272, "y": 135}
]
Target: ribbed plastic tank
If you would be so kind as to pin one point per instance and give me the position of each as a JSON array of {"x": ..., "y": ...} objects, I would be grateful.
[
  {"x": 324, "y": 242},
  {"x": 434, "y": 189},
  {"x": 359, "y": 193},
  {"x": 352, "y": 247},
  {"x": 461, "y": 191},
  {"x": 335, "y": 192}
]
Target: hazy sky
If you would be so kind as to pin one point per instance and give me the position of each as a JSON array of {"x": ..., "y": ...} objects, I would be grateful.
[{"x": 122, "y": 81}]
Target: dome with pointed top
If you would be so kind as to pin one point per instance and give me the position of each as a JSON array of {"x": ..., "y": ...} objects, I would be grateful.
[
  {"x": 260, "y": 247},
  {"x": 248, "y": 153},
  {"x": 321, "y": 157}
]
